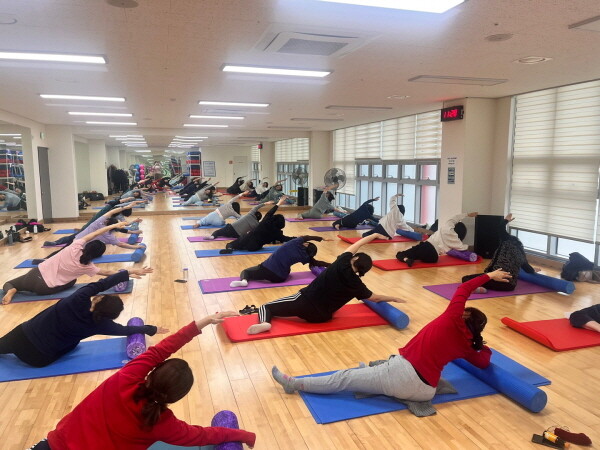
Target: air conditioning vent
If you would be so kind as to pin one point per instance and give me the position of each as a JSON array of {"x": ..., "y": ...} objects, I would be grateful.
[{"x": 315, "y": 44}]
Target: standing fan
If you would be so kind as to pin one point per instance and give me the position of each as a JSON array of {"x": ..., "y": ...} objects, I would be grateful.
[
  {"x": 335, "y": 178},
  {"x": 300, "y": 179}
]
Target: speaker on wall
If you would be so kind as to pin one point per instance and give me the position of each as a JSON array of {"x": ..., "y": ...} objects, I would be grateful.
[{"x": 487, "y": 234}]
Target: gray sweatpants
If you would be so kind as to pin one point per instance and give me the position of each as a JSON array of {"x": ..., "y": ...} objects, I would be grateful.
[{"x": 395, "y": 378}]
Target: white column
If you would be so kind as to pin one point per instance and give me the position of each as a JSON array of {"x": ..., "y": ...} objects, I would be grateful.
[
  {"x": 319, "y": 159},
  {"x": 98, "y": 180},
  {"x": 123, "y": 163},
  {"x": 267, "y": 162},
  {"x": 112, "y": 157},
  {"x": 61, "y": 159}
]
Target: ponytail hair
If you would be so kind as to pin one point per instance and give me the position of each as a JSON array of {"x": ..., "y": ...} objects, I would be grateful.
[
  {"x": 168, "y": 382},
  {"x": 475, "y": 322},
  {"x": 93, "y": 249}
]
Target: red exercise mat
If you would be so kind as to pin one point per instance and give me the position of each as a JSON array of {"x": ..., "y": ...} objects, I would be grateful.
[
  {"x": 444, "y": 260},
  {"x": 352, "y": 240},
  {"x": 349, "y": 316},
  {"x": 557, "y": 334}
]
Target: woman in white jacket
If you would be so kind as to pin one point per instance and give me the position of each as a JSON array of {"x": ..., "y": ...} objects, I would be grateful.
[
  {"x": 392, "y": 221},
  {"x": 448, "y": 237}
]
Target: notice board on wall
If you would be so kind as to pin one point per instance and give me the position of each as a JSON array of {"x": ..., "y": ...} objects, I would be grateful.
[{"x": 209, "y": 169}]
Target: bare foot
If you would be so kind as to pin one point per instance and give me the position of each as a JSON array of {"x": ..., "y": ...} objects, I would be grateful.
[{"x": 9, "y": 296}]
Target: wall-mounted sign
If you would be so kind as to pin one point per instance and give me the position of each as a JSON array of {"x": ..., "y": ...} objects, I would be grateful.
[{"x": 209, "y": 169}]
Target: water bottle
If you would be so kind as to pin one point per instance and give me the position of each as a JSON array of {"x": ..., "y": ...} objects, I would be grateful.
[
  {"x": 35, "y": 229},
  {"x": 9, "y": 237},
  {"x": 185, "y": 273}
]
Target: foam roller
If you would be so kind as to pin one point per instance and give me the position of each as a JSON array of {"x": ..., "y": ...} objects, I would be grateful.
[
  {"x": 555, "y": 284},
  {"x": 526, "y": 395},
  {"x": 132, "y": 239},
  {"x": 465, "y": 255},
  {"x": 136, "y": 343},
  {"x": 410, "y": 234},
  {"x": 393, "y": 315},
  {"x": 122, "y": 286},
  {"x": 138, "y": 253},
  {"x": 226, "y": 419},
  {"x": 317, "y": 270}
]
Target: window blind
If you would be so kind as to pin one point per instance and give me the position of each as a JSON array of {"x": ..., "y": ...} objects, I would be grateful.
[
  {"x": 292, "y": 150},
  {"x": 255, "y": 153},
  {"x": 556, "y": 161}
]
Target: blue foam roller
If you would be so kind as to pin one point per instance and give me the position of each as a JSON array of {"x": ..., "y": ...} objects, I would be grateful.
[
  {"x": 555, "y": 284},
  {"x": 393, "y": 315},
  {"x": 138, "y": 253},
  {"x": 410, "y": 234},
  {"x": 525, "y": 394},
  {"x": 132, "y": 239},
  {"x": 317, "y": 270}
]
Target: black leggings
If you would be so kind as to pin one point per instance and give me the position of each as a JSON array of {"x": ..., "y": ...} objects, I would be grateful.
[
  {"x": 493, "y": 284},
  {"x": 292, "y": 306},
  {"x": 33, "y": 281},
  {"x": 226, "y": 231},
  {"x": 423, "y": 251},
  {"x": 17, "y": 343},
  {"x": 42, "y": 445},
  {"x": 260, "y": 273},
  {"x": 378, "y": 229}
]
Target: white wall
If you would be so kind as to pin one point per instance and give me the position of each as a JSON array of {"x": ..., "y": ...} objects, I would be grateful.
[
  {"x": 320, "y": 159},
  {"x": 82, "y": 166},
  {"x": 61, "y": 158},
  {"x": 222, "y": 155},
  {"x": 98, "y": 181},
  {"x": 267, "y": 162},
  {"x": 112, "y": 157}
]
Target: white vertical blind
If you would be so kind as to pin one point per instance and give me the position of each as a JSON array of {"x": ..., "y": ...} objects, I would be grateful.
[
  {"x": 255, "y": 153},
  {"x": 292, "y": 150},
  {"x": 556, "y": 161},
  {"x": 428, "y": 135}
]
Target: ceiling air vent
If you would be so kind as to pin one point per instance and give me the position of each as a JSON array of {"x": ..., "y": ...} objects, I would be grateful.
[{"x": 313, "y": 44}]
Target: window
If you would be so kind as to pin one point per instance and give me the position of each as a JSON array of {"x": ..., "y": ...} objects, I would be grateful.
[
  {"x": 291, "y": 155},
  {"x": 285, "y": 171}
]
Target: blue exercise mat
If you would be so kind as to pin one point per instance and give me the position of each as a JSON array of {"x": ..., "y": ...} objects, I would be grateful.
[
  {"x": 102, "y": 207},
  {"x": 193, "y": 218},
  {"x": 160, "y": 445},
  {"x": 26, "y": 296},
  {"x": 191, "y": 227},
  {"x": 215, "y": 252},
  {"x": 328, "y": 408},
  {"x": 65, "y": 231},
  {"x": 87, "y": 357},
  {"x": 120, "y": 257}
]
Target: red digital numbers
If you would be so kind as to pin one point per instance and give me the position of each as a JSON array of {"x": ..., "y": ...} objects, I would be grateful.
[{"x": 452, "y": 113}]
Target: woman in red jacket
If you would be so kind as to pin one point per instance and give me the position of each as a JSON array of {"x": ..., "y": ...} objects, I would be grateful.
[
  {"x": 415, "y": 372},
  {"x": 130, "y": 409}
]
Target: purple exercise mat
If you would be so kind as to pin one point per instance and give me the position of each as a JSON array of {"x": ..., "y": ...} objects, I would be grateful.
[
  {"x": 523, "y": 288},
  {"x": 201, "y": 239},
  {"x": 140, "y": 239},
  {"x": 322, "y": 219},
  {"x": 358, "y": 227},
  {"x": 215, "y": 285}
]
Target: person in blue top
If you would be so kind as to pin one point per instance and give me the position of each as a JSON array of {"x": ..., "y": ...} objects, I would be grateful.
[
  {"x": 57, "y": 330},
  {"x": 277, "y": 267},
  {"x": 362, "y": 213}
]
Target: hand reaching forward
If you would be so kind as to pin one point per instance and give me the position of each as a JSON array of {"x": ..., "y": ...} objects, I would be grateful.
[{"x": 500, "y": 275}]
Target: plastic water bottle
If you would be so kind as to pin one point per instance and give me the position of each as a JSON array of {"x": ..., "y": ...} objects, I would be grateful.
[
  {"x": 9, "y": 237},
  {"x": 185, "y": 273},
  {"x": 35, "y": 229}
]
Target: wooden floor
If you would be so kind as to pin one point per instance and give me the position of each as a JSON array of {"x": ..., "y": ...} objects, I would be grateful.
[{"x": 237, "y": 376}]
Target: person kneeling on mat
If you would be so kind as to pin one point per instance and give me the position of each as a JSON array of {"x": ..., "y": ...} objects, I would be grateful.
[
  {"x": 448, "y": 237},
  {"x": 392, "y": 221},
  {"x": 327, "y": 293},
  {"x": 322, "y": 206},
  {"x": 245, "y": 224},
  {"x": 510, "y": 256},
  {"x": 130, "y": 410},
  {"x": 414, "y": 374},
  {"x": 277, "y": 267},
  {"x": 588, "y": 318},
  {"x": 58, "y": 329}
]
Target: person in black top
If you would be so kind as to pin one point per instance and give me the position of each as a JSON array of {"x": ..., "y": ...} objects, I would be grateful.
[
  {"x": 235, "y": 188},
  {"x": 191, "y": 188},
  {"x": 58, "y": 329},
  {"x": 588, "y": 318},
  {"x": 269, "y": 230},
  {"x": 364, "y": 212},
  {"x": 332, "y": 289}
]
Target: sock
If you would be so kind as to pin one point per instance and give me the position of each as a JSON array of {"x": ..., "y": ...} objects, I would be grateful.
[
  {"x": 210, "y": 237},
  {"x": 259, "y": 328},
  {"x": 480, "y": 290},
  {"x": 284, "y": 380},
  {"x": 575, "y": 438},
  {"x": 239, "y": 283}
]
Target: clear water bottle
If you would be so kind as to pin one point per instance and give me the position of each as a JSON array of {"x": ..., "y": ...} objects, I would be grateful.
[{"x": 185, "y": 273}]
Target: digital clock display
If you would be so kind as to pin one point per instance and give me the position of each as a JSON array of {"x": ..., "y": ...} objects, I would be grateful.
[{"x": 452, "y": 113}]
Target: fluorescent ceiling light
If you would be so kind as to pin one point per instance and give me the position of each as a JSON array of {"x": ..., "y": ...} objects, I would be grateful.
[
  {"x": 249, "y": 105},
  {"x": 132, "y": 124},
  {"x": 457, "y": 80},
  {"x": 193, "y": 116},
  {"x": 191, "y": 137},
  {"x": 143, "y": 151},
  {"x": 198, "y": 125},
  {"x": 53, "y": 57},
  {"x": 432, "y": 6},
  {"x": 79, "y": 113},
  {"x": 359, "y": 108},
  {"x": 84, "y": 97},
  {"x": 275, "y": 71},
  {"x": 11, "y": 135}
]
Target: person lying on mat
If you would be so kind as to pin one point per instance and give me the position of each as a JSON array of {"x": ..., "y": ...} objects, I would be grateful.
[
  {"x": 392, "y": 221},
  {"x": 278, "y": 266},
  {"x": 57, "y": 330},
  {"x": 322, "y": 206},
  {"x": 192, "y": 187},
  {"x": 269, "y": 230},
  {"x": 218, "y": 216},
  {"x": 273, "y": 194},
  {"x": 510, "y": 256},
  {"x": 61, "y": 271},
  {"x": 352, "y": 220},
  {"x": 235, "y": 188},
  {"x": 130, "y": 409},
  {"x": 588, "y": 318},
  {"x": 245, "y": 224},
  {"x": 327, "y": 293},
  {"x": 414, "y": 373},
  {"x": 448, "y": 237},
  {"x": 206, "y": 194}
]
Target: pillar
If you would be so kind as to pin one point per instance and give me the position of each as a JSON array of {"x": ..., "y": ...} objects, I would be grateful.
[
  {"x": 61, "y": 160},
  {"x": 319, "y": 159},
  {"x": 98, "y": 182}
]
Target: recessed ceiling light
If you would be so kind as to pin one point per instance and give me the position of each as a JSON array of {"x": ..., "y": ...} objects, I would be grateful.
[
  {"x": 275, "y": 71},
  {"x": 84, "y": 97},
  {"x": 532, "y": 60},
  {"x": 132, "y": 124},
  {"x": 198, "y": 125},
  {"x": 10, "y": 135},
  {"x": 499, "y": 37},
  {"x": 80, "y": 113},
  {"x": 249, "y": 105},
  {"x": 399, "y": 97},
  {"x": 52, "y": 57},
  {"x": 194, "y": 116},
  {"x": 8, "y": 19},
  {"x": 432, "y": 6}
]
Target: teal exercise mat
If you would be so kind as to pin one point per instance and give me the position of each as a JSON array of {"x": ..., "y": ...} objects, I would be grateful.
[
  {"x": 65, "y": 231},
  {"x": 25, "y": 296},
  {"x": 136, "y": 256},
  {"x": 160, "y": 445},
  {"x": 215, "y": 252},
  {"x": 89, "y": 356},
  {"x": 193, "y": 218},
  {"x": 191, "y": 227}
]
